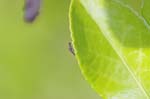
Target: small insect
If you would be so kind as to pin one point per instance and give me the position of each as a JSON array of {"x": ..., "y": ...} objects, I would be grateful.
[
  {"x": 71, "y": 48},
  {"x": 32, "y": 8}
]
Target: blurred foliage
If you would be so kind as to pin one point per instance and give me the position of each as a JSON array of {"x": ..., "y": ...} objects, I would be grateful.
[{"x": 34, "y": 59}]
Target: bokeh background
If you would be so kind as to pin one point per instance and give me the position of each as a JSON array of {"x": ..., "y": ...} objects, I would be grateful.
[{"x": 34, "y": 59}]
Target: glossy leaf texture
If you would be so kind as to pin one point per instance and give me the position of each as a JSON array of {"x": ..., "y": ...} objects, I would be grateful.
[{"x": 111, "y": 39}]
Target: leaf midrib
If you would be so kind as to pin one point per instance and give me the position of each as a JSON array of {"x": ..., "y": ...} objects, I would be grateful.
[{"x": 121, "y": 56}]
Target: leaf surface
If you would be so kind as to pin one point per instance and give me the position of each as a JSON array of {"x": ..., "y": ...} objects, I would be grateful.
[{"x": 111, "y": 40}]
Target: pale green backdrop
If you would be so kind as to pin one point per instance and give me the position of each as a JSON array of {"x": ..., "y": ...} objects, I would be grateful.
[{"x": 34, "y": 59}]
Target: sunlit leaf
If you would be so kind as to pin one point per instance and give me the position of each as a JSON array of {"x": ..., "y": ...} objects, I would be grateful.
[{"x": 111, "y": 40}]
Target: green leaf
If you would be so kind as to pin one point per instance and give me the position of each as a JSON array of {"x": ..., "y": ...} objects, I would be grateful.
[{"x": 111, "y": 41}]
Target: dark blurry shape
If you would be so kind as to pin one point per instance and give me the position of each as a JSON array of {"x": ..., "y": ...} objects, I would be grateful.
[
  {"x": 71, "y": 49},
  {"x": 32, "y": 8}
]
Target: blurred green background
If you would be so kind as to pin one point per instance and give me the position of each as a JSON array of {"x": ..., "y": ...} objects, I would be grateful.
[{"x": 34, "y": 59}]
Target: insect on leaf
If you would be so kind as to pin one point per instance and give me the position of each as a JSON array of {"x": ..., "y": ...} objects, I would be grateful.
[{"x": 70, "y": 47}]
